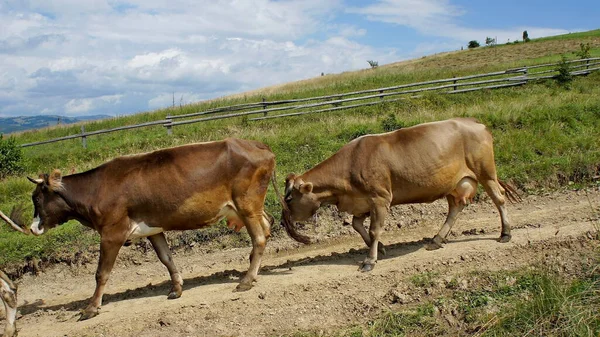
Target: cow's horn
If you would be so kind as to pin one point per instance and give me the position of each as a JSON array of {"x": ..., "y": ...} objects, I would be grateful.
[{"x": 36, "y": 181}]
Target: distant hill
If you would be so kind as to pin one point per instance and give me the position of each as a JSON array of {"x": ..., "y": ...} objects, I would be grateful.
[{"x": 22, "y": 123}]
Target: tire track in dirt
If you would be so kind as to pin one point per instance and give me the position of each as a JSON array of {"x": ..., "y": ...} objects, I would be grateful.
[{"x": 302, "y": 287}]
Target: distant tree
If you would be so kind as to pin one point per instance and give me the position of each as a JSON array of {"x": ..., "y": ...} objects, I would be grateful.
[
  {"x": 490, "y": 41},
  {"x": 473, "y": 44},
  {"x": 525, "y": 36},
  {"x": 373, "y": 64}
]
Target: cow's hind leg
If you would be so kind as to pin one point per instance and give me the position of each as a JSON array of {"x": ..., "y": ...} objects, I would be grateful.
[
  {"x": 159, "y": 242},
  {"x": 453, "y": 210},
  {"x": 357, "y": 224},
  {"x": 254, "y": 226},
  {"x": 8, "y": 294},
  {"x": 497, "y": 193},
  {"x": 457, "y": 200}
]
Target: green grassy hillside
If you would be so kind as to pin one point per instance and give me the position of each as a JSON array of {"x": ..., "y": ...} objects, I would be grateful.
[{"x": 546, "y": 135}]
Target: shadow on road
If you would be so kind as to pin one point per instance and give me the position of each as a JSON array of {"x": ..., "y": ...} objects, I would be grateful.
[{"x": 351, "y": 257}]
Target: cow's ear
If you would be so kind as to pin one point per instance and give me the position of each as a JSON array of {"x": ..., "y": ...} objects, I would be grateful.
[
  {"x": 290, "y": 177},
  {"x": 306, "y": 188},
  {"x": 55, "y": 181},
  {"x": 289, "y": 183}
]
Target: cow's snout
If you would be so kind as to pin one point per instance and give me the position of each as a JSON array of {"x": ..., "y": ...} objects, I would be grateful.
[{"x": 36, "y": 227}]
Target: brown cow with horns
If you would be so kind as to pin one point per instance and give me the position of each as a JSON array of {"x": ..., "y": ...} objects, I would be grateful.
[
  {"x": 418, "y": 164},
  {"x": 179, "y": 188}
]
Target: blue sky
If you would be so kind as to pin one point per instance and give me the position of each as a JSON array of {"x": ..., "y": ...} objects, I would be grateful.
[{"x": 115, "y": 57}]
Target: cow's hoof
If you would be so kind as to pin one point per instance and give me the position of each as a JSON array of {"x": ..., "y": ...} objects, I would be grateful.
[
  {"x": 243, "y": 286},
  {"x": 366, "y": 267},
  {"x": 88, "y": 313},
  {"x": 504, "y": 238},
  {"x": 436, "y": 243},
  {"x": 381, "y": 249},
  {"x": 174, "y": 295}
]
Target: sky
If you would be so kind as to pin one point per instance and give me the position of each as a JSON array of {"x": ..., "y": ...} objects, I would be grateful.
[{"x": 118, "y": 57}]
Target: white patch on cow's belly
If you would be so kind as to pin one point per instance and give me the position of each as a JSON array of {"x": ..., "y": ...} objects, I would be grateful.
[
  {"x": 141, "y": 230},
  {"x": 228, "y": 211}
]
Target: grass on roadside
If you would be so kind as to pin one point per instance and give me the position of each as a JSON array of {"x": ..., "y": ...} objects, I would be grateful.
[{"x": 526, "y": 302}]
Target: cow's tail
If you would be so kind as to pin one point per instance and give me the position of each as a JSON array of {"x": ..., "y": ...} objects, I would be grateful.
[
  {"x": 286, "y": 216},
  {"x": 511, "y": 193}
]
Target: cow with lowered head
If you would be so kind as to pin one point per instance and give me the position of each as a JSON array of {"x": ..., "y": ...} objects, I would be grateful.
[
  {"x": 423, "y": 163},
  {"x": 179, "y": 188}
]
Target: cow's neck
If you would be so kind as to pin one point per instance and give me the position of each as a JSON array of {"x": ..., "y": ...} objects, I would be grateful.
[
  {"x": 79, "y": 193},
  {"x": 328, "y": 182}
]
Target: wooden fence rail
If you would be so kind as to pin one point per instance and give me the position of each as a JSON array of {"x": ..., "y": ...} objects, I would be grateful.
[{"x": 371, "y": 97}]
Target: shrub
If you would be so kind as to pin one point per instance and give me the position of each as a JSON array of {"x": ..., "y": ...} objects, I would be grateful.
[
  {"x": 564, "y": 76},
  {"x": 584, "y": 51},
  {"x": 10, "y": 157},
  {"x": 473, "y": 44},
  {"x": 373, "y": 64},
  {"x": 354, "y": 132},
  {"x": 391, "y": 123}
]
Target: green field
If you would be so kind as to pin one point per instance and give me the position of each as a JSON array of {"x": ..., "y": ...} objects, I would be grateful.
[{"x": 546, "y": 135}]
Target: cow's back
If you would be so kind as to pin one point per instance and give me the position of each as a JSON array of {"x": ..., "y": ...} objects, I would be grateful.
[
  {"x": 421, "y": 163},
  {"x": 183, "y": 185}
]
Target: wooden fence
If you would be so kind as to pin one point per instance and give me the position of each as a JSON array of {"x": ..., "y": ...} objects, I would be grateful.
[{"x": 318, "y": 104}]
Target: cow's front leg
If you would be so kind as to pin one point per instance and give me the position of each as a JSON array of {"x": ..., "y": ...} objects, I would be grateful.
[
  {"x": 159, "y": 242},
  {"x": 109, "y": 248},
  {"x": 378, "y": 214},
  {"x": 259, "y": 241},
  {"x": 357, "y": 224}
]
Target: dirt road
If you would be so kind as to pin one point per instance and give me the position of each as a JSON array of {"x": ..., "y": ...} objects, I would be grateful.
[{"x": 302, "y": 287}]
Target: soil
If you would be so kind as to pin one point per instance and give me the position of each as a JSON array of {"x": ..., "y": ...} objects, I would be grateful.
[{"x": 315, "y": 287}]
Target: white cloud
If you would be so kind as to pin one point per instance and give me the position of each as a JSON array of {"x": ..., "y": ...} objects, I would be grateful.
[
  {"x": 84, "y": 56},
  {"x": 75, "y": 106},
  {"x": 83, "y": 105},
  {"x": 349, "y": 30},
  {"x": 177, "y": 98}
]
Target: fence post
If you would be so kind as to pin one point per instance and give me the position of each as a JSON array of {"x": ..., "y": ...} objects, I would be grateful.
[
  {"x": 168, "y": 125},
  {"x": 83, "y": 137},
  {"x": 587, "y": 64},
  {"x": 264, "y": 106},
  {"x": 381, "y": 92},
  {"x": 454, "y": 82}
]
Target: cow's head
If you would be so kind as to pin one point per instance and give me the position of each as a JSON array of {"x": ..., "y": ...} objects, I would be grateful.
[
  {"x": 300, "y": 199},
  {"x": 50, "y": 208}
]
